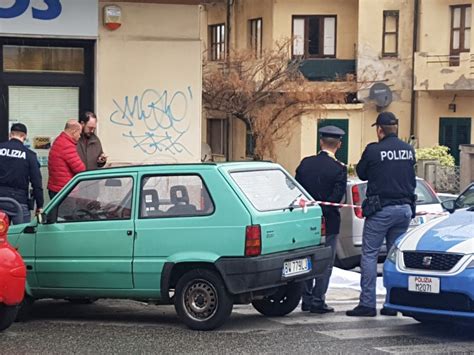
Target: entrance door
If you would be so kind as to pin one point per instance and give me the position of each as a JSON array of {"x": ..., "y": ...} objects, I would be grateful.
[
  {"x": 43, "y": 109},
  {"x": 453, "y": 132},
  {"x": 44, "y": 82},
  {"x": 89, "y": 241},
  {"x": 342, "y": 154}
]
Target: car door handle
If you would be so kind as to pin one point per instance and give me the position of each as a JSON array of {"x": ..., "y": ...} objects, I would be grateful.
[{"x": 129, "y": 232}]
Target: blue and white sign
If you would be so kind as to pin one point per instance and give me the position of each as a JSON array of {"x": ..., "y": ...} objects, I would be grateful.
[{"x": 68, "y": 18}]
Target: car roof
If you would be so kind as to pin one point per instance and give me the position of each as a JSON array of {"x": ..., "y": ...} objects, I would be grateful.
[{"x": 191, "y": 167}]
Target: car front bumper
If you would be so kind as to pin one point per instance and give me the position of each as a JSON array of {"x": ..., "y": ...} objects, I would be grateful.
[
  {"x": 249, "y": 274},
  {"x": 456, "y": 297}
]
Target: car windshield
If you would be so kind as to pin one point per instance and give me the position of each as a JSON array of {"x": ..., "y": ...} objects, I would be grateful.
[
  {"x": 268, "y": 190},
  {"x": 425, "y": 196},
  {"x": 466, "y": 199}
]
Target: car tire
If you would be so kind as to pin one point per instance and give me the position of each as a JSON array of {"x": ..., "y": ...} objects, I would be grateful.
[
  {"x": 82, "y": 300},
  {"x": 7, "y": 316},
  {"x": 25, "y": 309},
  {"x": 282, "y": 302},
  {"x": 202, "y": 300}
]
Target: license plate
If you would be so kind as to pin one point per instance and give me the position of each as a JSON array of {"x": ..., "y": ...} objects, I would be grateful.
[
  {"x": 417, "y": 221},
  {"x": 423, "y": 284},
  {"x": 296, "y": 267}
]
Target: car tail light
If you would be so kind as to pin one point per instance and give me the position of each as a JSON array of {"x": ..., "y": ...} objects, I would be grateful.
[
  {"x": 253, "y": 240},
  {"x": 323, "y": 226},
  {"x": 356, "y": 200},
  {"x": 3, "y": 227}
]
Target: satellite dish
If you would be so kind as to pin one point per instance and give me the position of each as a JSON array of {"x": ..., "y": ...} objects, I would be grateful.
[{"x": 381, "y": 94}]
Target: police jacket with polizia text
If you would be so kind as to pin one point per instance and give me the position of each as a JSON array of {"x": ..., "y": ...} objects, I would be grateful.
[
  {"x": 325, "y": 178},
  {"x": 18, "y": 168},
  {"x": 388, "y": 166}
]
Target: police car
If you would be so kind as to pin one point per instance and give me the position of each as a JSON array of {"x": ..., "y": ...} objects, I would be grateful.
[{"x": 429, "y": 272}]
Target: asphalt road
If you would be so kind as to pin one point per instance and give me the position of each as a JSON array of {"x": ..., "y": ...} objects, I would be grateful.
[{"x": 127, "y": 327}]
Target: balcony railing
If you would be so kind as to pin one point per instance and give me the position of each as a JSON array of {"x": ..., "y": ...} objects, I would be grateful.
[
  {"x": 444, "y": 72},
  {"x": 327, "y": 69}
]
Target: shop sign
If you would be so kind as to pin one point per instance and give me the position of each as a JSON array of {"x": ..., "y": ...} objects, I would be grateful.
[{"x": 72, "y": 18}]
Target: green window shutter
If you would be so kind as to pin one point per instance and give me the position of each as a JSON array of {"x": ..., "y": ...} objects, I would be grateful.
[
  {"x": 454, "y": 132},
  {"x": 343, "y": 153}
]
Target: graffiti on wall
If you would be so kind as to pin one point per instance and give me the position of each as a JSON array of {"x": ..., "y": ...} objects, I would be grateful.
[{"x": 155, "y": 122}]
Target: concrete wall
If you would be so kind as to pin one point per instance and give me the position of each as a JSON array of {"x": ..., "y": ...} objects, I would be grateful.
[
  {"x": 433, "y": 71},
  {"x": 395, "y": 72},
  {"x": 435, "y": 25},
  {"x": 432, "y": 106},
  {"x": 149, "y": 84},
  {"x": 245, "y": 10},
  {"x": 346, "y": 11},
  {"x": 304, "y": 140}
]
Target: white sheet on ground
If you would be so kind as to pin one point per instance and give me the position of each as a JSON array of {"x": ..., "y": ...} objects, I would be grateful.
[{"x": 349, "y": 279}]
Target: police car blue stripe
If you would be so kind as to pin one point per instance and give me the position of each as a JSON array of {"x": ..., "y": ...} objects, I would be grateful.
[{"x": 445, "y": 235}]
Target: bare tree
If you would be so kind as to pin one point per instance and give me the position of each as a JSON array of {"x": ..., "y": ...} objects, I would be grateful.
[{"x": 268, "y": 93}]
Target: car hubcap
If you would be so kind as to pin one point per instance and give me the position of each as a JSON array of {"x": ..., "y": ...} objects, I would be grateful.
[{"x": 200, "y": 300}]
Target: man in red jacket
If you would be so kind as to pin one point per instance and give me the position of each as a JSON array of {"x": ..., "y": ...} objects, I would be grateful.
[{"x": 64, "y": 161}]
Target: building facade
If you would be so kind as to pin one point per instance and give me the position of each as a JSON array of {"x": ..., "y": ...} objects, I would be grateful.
[
  {"x": 123, "y": 59},
  {"x": 387, "y": 43}
]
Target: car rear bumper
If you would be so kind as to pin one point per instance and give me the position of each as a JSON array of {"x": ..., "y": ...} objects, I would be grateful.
[
  {"x": 456, "y": 297},
  {"x": 248, "y": 274}
]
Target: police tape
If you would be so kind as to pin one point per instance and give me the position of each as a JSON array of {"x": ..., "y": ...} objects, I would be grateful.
[{"x": 303, "y": 203}]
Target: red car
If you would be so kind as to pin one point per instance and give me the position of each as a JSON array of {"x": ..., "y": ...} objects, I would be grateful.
[{"x": 12, "y": 277}]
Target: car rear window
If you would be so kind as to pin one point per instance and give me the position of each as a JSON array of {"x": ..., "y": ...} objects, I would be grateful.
[
  {"x": 425, "y": 195},
  {"x": 268, "y": 190}
]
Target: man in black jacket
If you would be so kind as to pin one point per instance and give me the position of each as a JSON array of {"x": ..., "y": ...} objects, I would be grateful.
[
  {"x": 18, "y": 168},
  {"x": 325, "y": 178},
  {"x": 388, "y": 167}
]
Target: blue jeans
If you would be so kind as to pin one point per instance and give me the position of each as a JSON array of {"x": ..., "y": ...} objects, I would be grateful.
[
  {"x": 315, "y": 297},
  {"x": 13, "y": 215},
  {"x": 388, "y": 224}
]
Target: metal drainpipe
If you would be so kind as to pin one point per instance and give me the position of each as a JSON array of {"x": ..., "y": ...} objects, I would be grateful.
[
  {"x": 415, "y": 48},
  {"x": 229, "y": 4}
]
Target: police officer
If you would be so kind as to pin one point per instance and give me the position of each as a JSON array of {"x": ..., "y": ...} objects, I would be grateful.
[
  {"x": 325, "y": 178},
  {"x": 18, "y": 168},
  {"x": 390, "y": 204}
]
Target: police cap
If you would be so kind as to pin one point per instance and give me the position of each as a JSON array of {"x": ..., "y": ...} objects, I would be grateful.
[
  {"x": 386, "y": 119},
  {"x": 18, "y": 127},
  {"x": 331, "y": 132}
]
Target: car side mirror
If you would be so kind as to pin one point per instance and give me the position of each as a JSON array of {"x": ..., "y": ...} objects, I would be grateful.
[
  {"x": 449, "y": 205},
  {"x": 44, "y": 218}
]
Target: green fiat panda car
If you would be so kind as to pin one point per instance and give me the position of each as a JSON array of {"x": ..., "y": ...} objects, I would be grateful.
[{"x": 200, "y": 236}]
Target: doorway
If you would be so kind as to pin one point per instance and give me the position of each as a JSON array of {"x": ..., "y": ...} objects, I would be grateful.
[
  {"x": 44, "y": 82},
  {"x": 453, "y": 132},
  {"x": 343, "y": 153}
]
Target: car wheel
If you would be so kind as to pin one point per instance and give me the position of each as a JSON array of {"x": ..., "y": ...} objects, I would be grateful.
[
  {"x": 202, "y": 301},
  {"x": 284, "y": 301},
  {"x": 7, "y": 316},
  {"x": 82, "y": 300},
  {"x": 25, "y": 308}
]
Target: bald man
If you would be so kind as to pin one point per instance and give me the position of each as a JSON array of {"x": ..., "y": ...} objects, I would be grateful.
[{"x": 64, "y": 161}]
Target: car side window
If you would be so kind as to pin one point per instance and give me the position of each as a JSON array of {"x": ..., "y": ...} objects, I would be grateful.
[
  {"x": 97, "y": 200},
  {"x": 174, "y": 196},
  {"x": 466, "y": 199}
]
